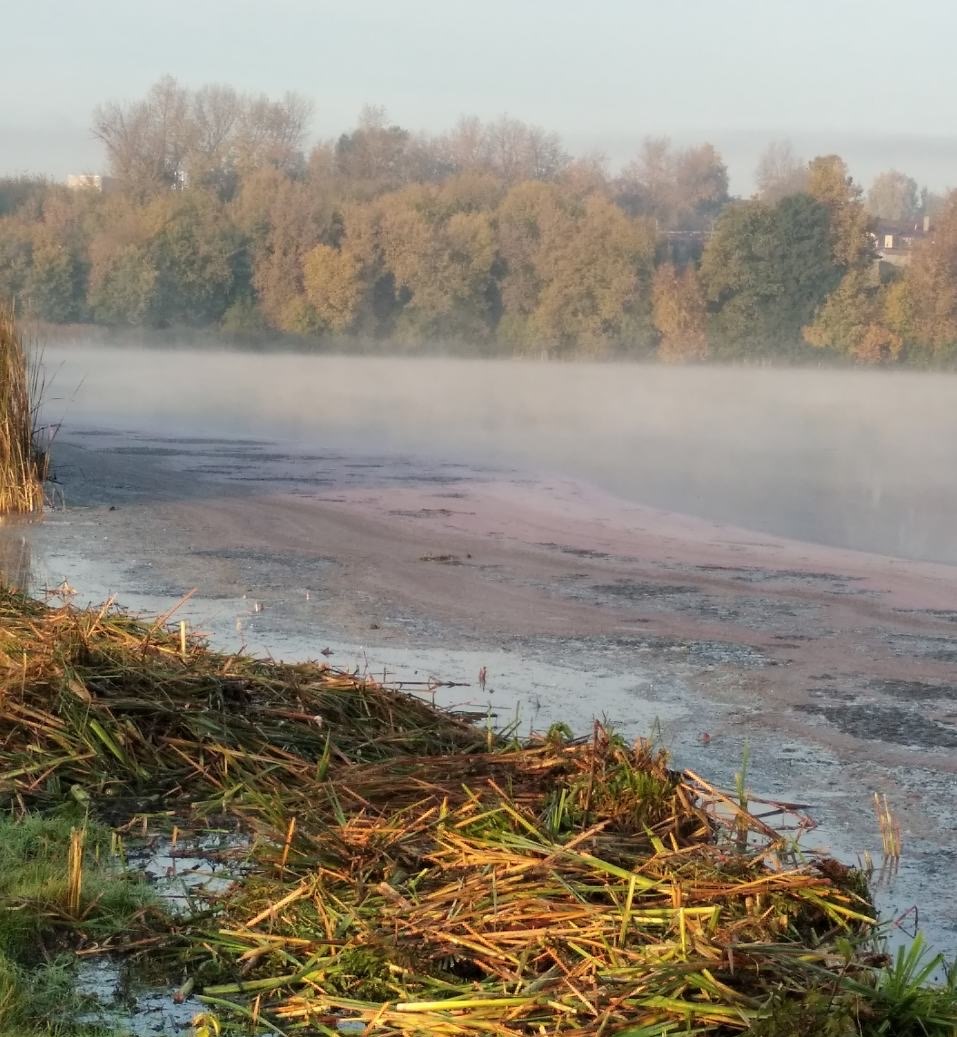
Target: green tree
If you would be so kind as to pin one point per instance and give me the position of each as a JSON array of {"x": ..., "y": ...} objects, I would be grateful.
[
  {"x": 122, "y": 283},
  {"x": 192, "y": 248},
  {"x": 50, "y": 289},
  {"x": 169, "y": 262},
  {"x": 18, "y": 192},
  {"x": 765, "y": 271},
  {"x": 16, "y": 257}
]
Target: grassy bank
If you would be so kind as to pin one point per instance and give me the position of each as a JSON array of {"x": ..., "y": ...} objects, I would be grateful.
[
  {"x": 22, "y": 464},
  {"x": 61, "y": 891},
  {"x": 411, "y": 874}
]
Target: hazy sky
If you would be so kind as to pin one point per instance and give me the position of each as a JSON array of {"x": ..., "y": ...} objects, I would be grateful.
[{"x": 870, "y": 79}]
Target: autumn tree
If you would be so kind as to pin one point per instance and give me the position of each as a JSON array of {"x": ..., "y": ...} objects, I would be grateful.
[
  {"x": 489, "y": 234},
  {"x": 680, "y": 189},
  {"x": 333, "y": 285},
  {"x": 529, "y": 215},
  {"x": 507, "y": 148},
  {"x": 270, "y": 134},
  {"x": 594, "y": 264},
  {"x": 173, "y": 137},
  {"x": 852, "y": 321},
  {"x": 281, "y": 220},
  {"x": 147, "y": 141},
  {"x": 515, "y": 151},
  {"x": 830, "y": 183},
  {"x": 441, "y": 263},
  {"x": 894, "y": 196},
  {"x": 680, "y": 314},
  {"x": 780, "y": 173},
  {"x": 587, "y": 174},
  {"x": 922, "y": 308},
  {"x": 376, "y": 154}
]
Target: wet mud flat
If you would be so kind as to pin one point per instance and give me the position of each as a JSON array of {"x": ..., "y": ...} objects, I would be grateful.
[{"x": 835, "y": 667}]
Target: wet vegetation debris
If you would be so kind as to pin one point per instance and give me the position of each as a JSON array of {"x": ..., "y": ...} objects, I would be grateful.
[{"x": 405, "y": 872}]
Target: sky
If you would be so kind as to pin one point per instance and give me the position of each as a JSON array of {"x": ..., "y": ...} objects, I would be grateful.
[{"x": 869, "y": 79}]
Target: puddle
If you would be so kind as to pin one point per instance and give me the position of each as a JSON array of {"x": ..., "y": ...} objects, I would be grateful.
[
  {"x": 134, "y": 1009},
  {"x": 188, "y": 875},
  {"x": 191, "y": 872}
]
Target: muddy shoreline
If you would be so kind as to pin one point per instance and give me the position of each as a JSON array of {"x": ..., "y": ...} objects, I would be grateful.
[{"x": 836, "y": 667}]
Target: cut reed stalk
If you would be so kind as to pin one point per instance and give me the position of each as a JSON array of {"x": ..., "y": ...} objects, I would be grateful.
[{"x": 75, "y": 871}]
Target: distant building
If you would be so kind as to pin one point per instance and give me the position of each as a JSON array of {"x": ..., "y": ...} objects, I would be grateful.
[
  {"x": 895, "y": 242},
  {"x": 89, "y": 182}
]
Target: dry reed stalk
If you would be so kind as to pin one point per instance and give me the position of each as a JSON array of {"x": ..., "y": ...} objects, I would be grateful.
[{"x": 890, "y": 828}]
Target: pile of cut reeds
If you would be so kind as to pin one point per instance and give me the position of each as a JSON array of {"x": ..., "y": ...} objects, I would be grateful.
[
  {"x": 23, "y": 466},
  {"x": 102, "y": 701},
  {"x": 414, "y": 876},
  {"x": 563, "y": 887}
]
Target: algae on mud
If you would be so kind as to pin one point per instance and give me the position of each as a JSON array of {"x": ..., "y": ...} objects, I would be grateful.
[{"x": 415, "y": 874}]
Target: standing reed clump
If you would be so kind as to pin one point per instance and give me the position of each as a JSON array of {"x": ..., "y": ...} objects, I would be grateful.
[{"x": 23, "y": 465}]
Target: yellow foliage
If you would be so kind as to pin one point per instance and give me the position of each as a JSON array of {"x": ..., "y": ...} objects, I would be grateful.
[
  {"x": 679, "y": 314},
  {"x": 333, "y": 284},
  {"x": 877, "y": 346}
]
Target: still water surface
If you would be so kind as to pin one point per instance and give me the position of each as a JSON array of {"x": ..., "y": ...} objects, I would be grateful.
[{"x": 861, "y": 459}]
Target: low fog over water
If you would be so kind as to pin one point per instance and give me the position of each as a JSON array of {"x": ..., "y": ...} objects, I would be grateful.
[{"x": 863, "y": 459}]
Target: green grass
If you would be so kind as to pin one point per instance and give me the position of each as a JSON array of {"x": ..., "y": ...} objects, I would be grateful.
[
  {"x": 36, "y": 916},
  {"x": 42, "y": 919}
]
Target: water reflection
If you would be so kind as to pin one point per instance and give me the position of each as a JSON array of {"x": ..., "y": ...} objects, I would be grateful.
[{"x": 15, "y": 556}]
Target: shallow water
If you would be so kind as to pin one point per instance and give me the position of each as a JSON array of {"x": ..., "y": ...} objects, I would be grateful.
[{"x": 845, "y": 458}]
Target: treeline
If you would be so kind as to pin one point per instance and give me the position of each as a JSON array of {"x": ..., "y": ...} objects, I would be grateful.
[{"x": 488, "y": 238}]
